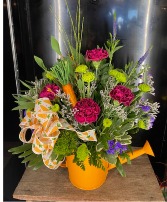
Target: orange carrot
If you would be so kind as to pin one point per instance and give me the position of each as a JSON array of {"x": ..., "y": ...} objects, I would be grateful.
[{"x": 68, "y": 89}]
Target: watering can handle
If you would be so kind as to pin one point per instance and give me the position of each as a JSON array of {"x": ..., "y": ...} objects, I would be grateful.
[{"x": 63, "y": 165}]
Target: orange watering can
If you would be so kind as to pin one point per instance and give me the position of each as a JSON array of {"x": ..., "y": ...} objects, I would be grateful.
[{"x": 92, "y": 177}]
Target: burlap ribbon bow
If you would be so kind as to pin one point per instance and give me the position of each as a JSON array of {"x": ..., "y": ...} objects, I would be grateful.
[{"x": 45, "y": 125}]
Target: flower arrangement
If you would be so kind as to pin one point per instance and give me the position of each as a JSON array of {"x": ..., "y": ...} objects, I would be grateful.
[{"x": 84, "y": 106}]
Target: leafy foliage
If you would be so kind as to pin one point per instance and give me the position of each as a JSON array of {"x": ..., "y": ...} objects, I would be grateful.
[
  {"x": 25, "y": 151},
  {"x": 66, "y": 144}
]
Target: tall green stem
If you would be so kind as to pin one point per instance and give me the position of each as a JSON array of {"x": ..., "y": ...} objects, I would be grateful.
[{"x": 88, "y": 92}]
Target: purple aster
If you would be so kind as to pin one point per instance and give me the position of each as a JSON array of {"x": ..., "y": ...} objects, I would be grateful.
[
  {"x": 152, "y": 119},
  {"x": 115, "y": 147},
  {"x": 145, "y": 108},
  {"x": 24, "y": 113},
  {"x": 151, "y": 122},
  {"x": 111, "y": 143},
  {"x": 119, "y": 147}
]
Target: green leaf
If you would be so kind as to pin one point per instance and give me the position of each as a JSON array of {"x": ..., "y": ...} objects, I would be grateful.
[
  {"x": 26, "y": 105},
  {"x": 26, "y": 85},
  {"x": 79, "y": 84},
  {"x": 40, "y": 62},
  {"x": 117, "y": 48},
  {"x": 112, "y": 159},
  {"x": 99, "y": 147},
  {"x": 26, "y": 153},
  {"x": 55, "y": 45},
  {"x": 28, "y": 158},
  {"x": 75, "y": 55},
  {"x": 124, "y": 137},
  {"x": 125, "y": 156},
  {"x": 35, "y": 161},
  {"x": 126, "y": 127},
  {"x": 38, "y": 165},
  {"x": 117, "y": 134},
  {"x": 125, "y": 142},
  {"x": 120, "y": 168},
  {"x": 20, "y": 97},
  {"x": 21, "y": 148}
]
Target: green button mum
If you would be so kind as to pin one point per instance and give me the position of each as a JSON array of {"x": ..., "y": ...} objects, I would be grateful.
[
  {"x": 113, "y": 72},
  {"x": 141, "y": 124},
  {"x": 144, "y": 87},
  {"x": 56, "y": 108},
  {"x": 49, "y": 76},
  {"x": 81, "y": 69},
  {"x": 107, "y": 122},
  {"x": 119, "y": 76},
  {"x": 88, "y": 77}
]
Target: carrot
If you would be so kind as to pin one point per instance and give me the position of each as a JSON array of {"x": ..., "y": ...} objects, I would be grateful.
[{"x": 68, "y": 89}]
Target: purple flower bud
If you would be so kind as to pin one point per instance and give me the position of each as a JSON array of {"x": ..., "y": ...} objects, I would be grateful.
[
  {"x": 24, "y": 113},
  {"x": 141, "y": 60},
  {"x": 145, "y": 108},
  {"x": 150, "y": 125},
  {"x": 152, "y": 119}
]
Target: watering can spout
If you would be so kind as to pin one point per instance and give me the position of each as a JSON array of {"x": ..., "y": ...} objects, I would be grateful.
[{"x": 146, "y": 149}]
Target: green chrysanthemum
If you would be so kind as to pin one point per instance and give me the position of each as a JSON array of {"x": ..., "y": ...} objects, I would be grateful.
[
  {"x": 81, "y": 69},
  {"x": 82, "y": 152},
  {"x": 113, "y": 72},
  {"x": 142, "y": 124},
  {"x": 49, "y": 76},
  {"x": 119, "y": 76},
  {"x": 107, "y": 122},
  {"x": 55, "y": 108},
  {"x": 144, "y": 87},
  {"x": 88, "y": 77}
]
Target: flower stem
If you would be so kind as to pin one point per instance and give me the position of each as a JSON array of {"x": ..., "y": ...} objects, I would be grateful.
[
  {"x": 83, "y": 87},
  {"x": 88, "y": 91}
]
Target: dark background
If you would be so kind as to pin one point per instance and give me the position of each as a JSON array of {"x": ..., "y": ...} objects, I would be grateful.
[{"x": 140, "y": 23}]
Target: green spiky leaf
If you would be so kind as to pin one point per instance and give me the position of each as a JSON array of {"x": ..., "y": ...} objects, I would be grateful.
[{"x": 20, "y": 149}]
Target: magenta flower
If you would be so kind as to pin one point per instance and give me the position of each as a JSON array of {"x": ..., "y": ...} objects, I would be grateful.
[
  {"x": 122, "y": 94},
  {"x": 96, "y": 54},
  {"x": 87, "y": 111},
  {"x": 49, "y": 91}
]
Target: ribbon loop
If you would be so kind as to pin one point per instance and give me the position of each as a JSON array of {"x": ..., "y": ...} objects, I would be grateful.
[{"x": 45, "y": 125}]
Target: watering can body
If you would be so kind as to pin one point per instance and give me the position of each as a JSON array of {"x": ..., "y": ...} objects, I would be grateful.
[
  {"x": 93, "y": 177},
  {"x": 88, "y": 179}
]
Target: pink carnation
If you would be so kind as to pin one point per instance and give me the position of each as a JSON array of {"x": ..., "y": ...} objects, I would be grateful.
[
  {"x": 87, "y": 111},
  {"x": 96, "y": 54},
  {"x": 49, "y": 91},
  {"x": 122, "y": 94}
]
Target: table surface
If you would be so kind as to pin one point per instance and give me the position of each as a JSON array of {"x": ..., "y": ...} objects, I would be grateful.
[{"x": 140, "y": 184}]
